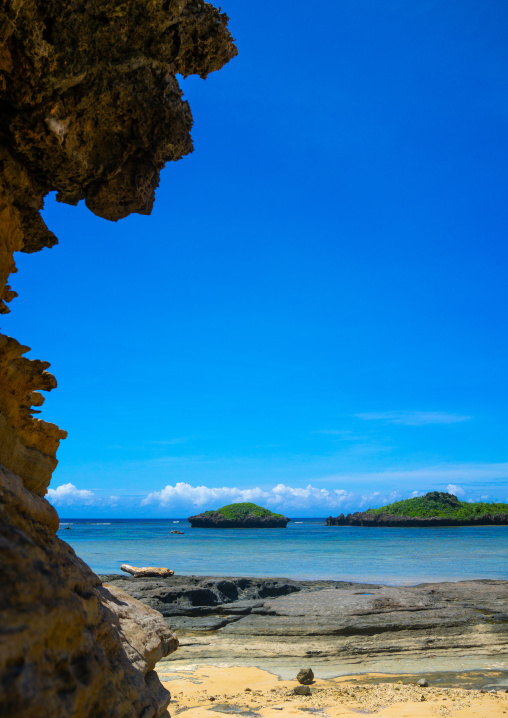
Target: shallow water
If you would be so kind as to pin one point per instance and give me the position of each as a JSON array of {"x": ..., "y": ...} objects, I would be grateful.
[
  {"x": 470, "y": 672},
  {"x": 306, "y": 550}
]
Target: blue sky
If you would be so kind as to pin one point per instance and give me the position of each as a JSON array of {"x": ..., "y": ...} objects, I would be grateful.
[{"x": 319, "y": 297}]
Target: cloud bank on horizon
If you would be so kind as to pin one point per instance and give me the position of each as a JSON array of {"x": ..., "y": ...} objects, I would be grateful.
[
  {"x": 182, "y": 498},
  {"x": 70, "y": 495},
  {"x": 284, "y": 497}
]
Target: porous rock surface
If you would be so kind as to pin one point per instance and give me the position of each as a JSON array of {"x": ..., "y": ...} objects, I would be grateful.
[
  {"x": 69, "y": 646},
  {"x": 90, "y": 108}
]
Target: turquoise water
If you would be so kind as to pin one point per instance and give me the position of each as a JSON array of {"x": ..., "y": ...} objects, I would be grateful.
[{"x": 306, "y": 549}]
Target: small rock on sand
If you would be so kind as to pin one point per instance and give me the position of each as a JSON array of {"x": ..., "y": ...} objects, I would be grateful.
[
  {"x": 302, "y": 691},
  {"x": 305, "y": 676},
  {"x": 423, "y": 683}
]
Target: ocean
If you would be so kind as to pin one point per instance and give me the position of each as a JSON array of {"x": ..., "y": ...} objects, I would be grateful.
[{"x": 306, "y": 549}]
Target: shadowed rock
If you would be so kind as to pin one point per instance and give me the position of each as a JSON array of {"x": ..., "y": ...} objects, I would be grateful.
[{"x": 68, "y": 645}]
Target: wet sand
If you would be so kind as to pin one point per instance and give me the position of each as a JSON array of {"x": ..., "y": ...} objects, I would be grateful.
[{"x": 205, "y": 690}]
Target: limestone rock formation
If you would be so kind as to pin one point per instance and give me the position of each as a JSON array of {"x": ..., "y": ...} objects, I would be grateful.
[
  {"x": 91, "y": 106},
  {"x": 91, "y": 109},
  {"x": 68, "y": 645}
]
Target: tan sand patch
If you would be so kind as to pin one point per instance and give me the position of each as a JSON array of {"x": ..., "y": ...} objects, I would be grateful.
[{"x": 215, "y": 691}]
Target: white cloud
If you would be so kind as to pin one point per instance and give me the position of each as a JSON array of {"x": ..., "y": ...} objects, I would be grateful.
[
  {"x": 281, "y": 496},
  {"x": 414, "y": 494},
  {"x": 454, "y": 489},
  {"x": 413, "y": 418},
  {"x": 68, "y": 494}
]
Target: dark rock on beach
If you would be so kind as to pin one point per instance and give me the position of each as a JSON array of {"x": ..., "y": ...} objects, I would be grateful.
[
  {"x": 201, "y": 596},
  {"x": 305, "y": 676}
]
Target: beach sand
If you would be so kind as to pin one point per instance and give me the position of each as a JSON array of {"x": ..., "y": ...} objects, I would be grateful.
[{"x": 203, "y": 690}]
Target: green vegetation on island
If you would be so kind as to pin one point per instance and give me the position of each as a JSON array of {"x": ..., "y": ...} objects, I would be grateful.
[
  {"x": 239, "y": 516},
  {"x": 440, "y": 504},
  {"x": 237, "y": 512}
]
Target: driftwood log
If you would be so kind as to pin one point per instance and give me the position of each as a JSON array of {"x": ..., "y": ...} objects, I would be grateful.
[{"x": 147, "y": 571}]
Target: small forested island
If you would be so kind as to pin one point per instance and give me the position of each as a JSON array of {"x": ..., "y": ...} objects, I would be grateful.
[
  {"x": 434, "y": 509},
  {"x": 239, "y": 516}
]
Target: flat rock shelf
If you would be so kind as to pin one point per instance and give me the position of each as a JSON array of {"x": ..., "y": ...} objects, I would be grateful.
[{"x": 343, "y": 627}]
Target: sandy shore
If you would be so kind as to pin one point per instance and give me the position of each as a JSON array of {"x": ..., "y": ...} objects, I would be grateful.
[
  {"x": 367, "y": 644},
  {"x": 202, "y": 690}
]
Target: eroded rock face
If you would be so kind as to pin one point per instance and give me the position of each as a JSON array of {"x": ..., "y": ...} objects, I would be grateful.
[
  {"x": 90, "y": 103},
  {"x": 27, "y": 445},
  {"x": 90, "y": 108},
  {"x": 68, "y": 645}
]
